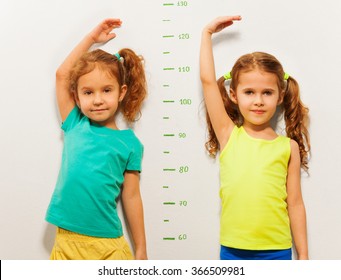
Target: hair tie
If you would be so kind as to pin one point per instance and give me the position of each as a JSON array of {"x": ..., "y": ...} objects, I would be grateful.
[
  {"x": 119, "y": 58},
  {"x": 286, "y": 76},
  {"x": 227, "y": 76}
]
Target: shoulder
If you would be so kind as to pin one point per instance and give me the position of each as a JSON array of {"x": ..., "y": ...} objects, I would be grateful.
[
  {"x": 232, "y": 137},
  {"x": 73, "y": 119},
  {"x": 132, "y": 140},
  {"x": 294, "y": 146},
  {"x": 235, "y": 130},
  {"x": 130, "y": 134},
  {"x": 295, "y": 153}
]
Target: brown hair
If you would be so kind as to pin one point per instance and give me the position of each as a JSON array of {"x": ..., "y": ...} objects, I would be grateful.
[
  {"x": 295, "y": 113},
  {"x": 129, "y": 71}
]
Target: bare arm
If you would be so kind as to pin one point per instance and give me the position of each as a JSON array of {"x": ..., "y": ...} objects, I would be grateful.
[
  {"x": 132, "y": 203},
  {"x": 221, "y": 122},
  {"x": 100, "y": 34},
  {"x": 296, "y": 208}
]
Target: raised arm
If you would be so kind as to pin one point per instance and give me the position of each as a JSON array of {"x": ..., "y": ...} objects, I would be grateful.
[
  {"x": 220, "y": 120},
  {"x": 100, "y": 34}
]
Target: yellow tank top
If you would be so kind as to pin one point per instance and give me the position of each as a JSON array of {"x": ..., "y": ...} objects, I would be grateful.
[{"x": 253, "y": 176}]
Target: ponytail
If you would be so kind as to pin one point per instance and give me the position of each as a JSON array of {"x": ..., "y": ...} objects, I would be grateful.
[
  {"x": 136, "y": 85},
  {"x": 296, "y": 120}
]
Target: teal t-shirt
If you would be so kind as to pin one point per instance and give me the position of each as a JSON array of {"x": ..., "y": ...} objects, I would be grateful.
[{"x": 94, "y": 161}]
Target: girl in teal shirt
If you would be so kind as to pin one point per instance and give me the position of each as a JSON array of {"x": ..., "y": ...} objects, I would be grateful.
[{"x": 99, "y": 162}]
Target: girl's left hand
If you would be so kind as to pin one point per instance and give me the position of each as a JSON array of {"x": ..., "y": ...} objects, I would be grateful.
[
  {"x": 221, "y": 23},
  {"x": 102, "y": 32},
  {"x": 141, "y": 255}
]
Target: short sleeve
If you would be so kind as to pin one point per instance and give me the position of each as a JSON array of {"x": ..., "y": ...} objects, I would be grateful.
[
  {"x": 135, "y": 158},
  {"x": 72, "y": 119}
]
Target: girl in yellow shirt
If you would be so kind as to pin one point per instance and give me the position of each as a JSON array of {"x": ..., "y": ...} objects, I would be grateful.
[{"x": 262, "y": 203}]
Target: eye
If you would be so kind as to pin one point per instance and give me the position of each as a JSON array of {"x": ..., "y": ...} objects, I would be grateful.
[
  {"x": 87, "y": 92},
  {"x": 248, "y": 92},
  {"x": 107, "y": 90},
  {"x": 268, "y": 92}
]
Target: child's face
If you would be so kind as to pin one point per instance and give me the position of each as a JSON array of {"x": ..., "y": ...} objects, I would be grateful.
[
  {"x": 98, "y": 96},
  {"x": 257, "y": 96}
]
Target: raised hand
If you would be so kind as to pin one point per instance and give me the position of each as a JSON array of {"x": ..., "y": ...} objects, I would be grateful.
[
  {"x": 221, "y": 23},
  {"x": 102, "y": 32}
]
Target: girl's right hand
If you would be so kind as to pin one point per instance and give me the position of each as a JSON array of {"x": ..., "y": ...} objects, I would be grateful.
[
  {"x": 102, "y": 32},
  {"x": 220, "y": 23}
]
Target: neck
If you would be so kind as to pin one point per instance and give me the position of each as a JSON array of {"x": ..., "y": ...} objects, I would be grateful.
[{"x": 264, "y": 131}]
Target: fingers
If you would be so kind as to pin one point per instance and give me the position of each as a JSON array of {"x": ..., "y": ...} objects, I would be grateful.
[
  {"x": 111, "y": 23},
  {"x": 103, "y": 32},
  {"x": 227, "y": 20},
  {"x": 110, "y": 36},
  {"x": 222, "y": 22},
  {"x": 238, "y": 17}
]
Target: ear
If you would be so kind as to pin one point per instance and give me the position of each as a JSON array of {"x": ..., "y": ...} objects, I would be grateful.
[
  {"x": 75, "y": 96},
  {"x": 122, "y": 93},
  {"x": 233, "y": 96},
  {"x": 280, "y": 98}
]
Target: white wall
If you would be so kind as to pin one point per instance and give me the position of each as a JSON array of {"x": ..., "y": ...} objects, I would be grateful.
[{"x": 37, "y": 35}]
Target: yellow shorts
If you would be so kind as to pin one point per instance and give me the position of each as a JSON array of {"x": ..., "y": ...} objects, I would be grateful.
[{"x": 73, "y": 246}]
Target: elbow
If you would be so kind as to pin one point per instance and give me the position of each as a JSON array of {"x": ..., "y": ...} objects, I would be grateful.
[
  {"x": 61, "y": 75},
  {"x": 206, "y": 81}
]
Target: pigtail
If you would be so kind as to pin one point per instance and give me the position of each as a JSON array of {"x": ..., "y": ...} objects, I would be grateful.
[
  {"x": 136, "y": 85},
  {"x": 212, "y": 145},
  {"x": 296, "y": 119}
]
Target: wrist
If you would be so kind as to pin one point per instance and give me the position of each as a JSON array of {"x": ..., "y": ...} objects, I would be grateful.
[
  {"x": 141, "y": 254},
  {"x": 90, "y": 39},
  {"x": 302, "y": 257},
  {"x": 207, "y": 31}
]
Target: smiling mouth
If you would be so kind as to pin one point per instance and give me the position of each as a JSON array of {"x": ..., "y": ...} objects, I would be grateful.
[
  {"x": 258, "y": 111},
  {"x": 98, "y": 110}
]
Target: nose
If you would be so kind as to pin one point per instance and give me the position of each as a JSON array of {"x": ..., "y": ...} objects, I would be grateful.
[
  {"x": 259, "y": 100},
  {"x": 97, "y": 99}
]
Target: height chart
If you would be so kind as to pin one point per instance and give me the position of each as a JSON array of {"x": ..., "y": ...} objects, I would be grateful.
[
  {"x": 179, "y": 136},
  {"x": 174, "y": 135}
]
